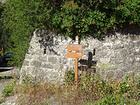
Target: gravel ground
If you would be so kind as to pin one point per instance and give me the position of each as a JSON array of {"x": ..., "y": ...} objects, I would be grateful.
[{"x": 10, "y": 101}]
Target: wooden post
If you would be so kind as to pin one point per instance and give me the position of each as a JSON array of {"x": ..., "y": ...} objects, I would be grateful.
[
  {"x": 76, "y": 70},
  {"x": 74, "y": 51}
]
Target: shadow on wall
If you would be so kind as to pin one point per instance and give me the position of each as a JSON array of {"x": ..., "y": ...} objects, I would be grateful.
[
  {"x": 89, "y": 64},
  {"x": 46, "y": 40},
  {"x": 129, "y": 29}
]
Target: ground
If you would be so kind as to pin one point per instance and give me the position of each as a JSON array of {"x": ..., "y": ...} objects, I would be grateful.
[{"x": 5, "y": 78}]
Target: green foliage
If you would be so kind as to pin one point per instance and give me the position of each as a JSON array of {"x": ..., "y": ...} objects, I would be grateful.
[
  {"x": 111, "y": 93},
  {"x": 129, "y": 12},
  {"x": 94, "y": 18},
  {"x": 69, "y": 77},
  {"x": 8, "y": 89},
  {"x": 116, "y": 100},
  {"x": 3, "y": 38},
  {"x": 124, "y": 87},
  {"x": 20, "y": 19},
  {"x": 69, "y": 17},
  {"x": 92, "y": 87},
  {"x": 73, "y": 20},
  {"x": 1, "y": 10},
  {"x": 91, "y": 90}
]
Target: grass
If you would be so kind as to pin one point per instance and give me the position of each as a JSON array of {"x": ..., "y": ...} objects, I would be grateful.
[
  {"x": 2, "y": 99},
  {"x": 91, "y": 90},
  {"x": 9, "y": 89}
]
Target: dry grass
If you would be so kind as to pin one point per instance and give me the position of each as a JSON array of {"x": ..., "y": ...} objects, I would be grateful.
[
  {"x": 2, "y": 98},
  {"x": 90, "y": 89},
  {"x": 47, "y": 94}
]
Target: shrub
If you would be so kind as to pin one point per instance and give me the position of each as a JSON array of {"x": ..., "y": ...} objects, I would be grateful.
[
  {"x": 69, "y": 77},
  {"x": 124, "y": 87},
  {"x": 128, "y": 12},
  {"x": 115, "y": 100}
]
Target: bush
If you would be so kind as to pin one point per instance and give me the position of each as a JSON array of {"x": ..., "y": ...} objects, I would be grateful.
[
  {"x": 69, "y": 77},
  {"x": 95, "y": 18},
  {"x": 128, "y": 12}
]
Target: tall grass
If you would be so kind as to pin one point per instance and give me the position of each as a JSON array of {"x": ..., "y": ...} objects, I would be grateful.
[{"x": 91, "y": 90}]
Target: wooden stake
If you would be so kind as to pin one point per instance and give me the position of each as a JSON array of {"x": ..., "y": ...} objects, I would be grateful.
[{"x": 76, "y": 71}]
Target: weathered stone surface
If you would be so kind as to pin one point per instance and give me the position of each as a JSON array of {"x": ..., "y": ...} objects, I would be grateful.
[
  {"x": 43, "y": 58},
  {"x": 119, "y": 74},
  {"x": 116, "y": 55},
  {"x": 110, "y": 75},
  {"x": 36, "y": 63},
  {"x": 52, "y": 60},
  {"x": 26, "y": 63},
  {"x": 47, "y": 66},
  {"x": 137, "y": 59}
]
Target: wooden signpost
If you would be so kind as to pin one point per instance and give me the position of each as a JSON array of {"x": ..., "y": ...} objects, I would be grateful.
[{"x": 74, "y": 51}]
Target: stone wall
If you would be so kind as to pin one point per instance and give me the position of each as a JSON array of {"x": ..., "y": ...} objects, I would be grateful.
[{"x": 116, "y": 56}]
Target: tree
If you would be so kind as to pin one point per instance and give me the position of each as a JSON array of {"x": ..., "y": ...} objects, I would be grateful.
[
  {"x": 2, "y": 37},
  {"x": 68, "y": 17},
  {"x": 21, "y": 18}
]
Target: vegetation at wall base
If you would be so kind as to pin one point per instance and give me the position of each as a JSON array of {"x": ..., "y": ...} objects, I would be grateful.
[
  {"x": 91, "y": 91},
  {"x": 69, "y": 17},
  {"x": 9, "y": 89}
]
